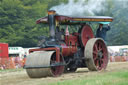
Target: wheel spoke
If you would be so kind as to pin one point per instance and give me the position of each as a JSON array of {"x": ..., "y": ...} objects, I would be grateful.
[
  {"x": 102, "y": 59},
  {"x": 100, "y": 47},
  {"x": 95, "y": 58},
  {"x": 97, "y": 62},
  {"x": 96, "y": 47},
  {"x": 101, "y": 64},
  {"x": 104, "y": 54},
  {"x": 94, "y": 52}
]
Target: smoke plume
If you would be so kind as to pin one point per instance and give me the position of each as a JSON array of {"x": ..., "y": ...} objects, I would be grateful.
[
  {"x": 80, "y": 8},
  {"x": 86, "y": 7}
]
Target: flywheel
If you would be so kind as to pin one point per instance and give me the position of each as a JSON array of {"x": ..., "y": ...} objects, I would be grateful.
[
  {"x": 96, "y": 54},
  {"x": 86, "y": 33}
]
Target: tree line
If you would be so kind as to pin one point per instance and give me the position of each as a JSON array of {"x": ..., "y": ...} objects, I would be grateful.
[{"x": 18, "y": 26}]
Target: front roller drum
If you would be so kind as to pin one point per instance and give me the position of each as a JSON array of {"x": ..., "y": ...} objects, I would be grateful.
[
  {"x": 96, "y": 54},
  {"x": 40, "y": 64}
]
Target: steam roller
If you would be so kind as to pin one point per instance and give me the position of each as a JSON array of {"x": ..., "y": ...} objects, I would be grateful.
[{"x": 71, "y": 44}]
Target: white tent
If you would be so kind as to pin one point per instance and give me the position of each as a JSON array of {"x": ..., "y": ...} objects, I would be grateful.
[
  {"x": 16, "y": 51},
  {"x": 116, "y": 48}
]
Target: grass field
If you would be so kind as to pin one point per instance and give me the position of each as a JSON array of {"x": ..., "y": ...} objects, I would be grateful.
[
  {"x": 111, "y": 78},
  {"x": 115, "y": 74}
]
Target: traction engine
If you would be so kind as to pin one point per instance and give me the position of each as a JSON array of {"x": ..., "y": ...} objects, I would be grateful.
[{"x": 65, "y": 52}]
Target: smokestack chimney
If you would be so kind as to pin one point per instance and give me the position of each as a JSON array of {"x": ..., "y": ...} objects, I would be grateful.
[{"x": 51, "y": 21}]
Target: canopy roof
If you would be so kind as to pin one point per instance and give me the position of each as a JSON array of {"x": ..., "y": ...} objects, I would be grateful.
[{"x": 76, "y": 20}]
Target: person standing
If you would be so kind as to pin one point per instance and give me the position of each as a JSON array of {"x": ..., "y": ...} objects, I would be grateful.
[{"x": 102, "y": 31}]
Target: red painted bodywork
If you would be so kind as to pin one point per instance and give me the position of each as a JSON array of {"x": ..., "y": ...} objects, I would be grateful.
[
  {"x": 4, "y": 50},
  {"x": 72, "y": 39},
  {"x": 68, "y": 50},
  {"x": 64, "y": 51},
  {"x": 70, "y": 47}
]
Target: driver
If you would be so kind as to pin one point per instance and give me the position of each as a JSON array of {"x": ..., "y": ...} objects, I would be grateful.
[{"x": 102, "y": 31}]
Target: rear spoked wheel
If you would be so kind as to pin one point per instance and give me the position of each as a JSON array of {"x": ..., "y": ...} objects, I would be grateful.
[{"x": 96, "y": 54}]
